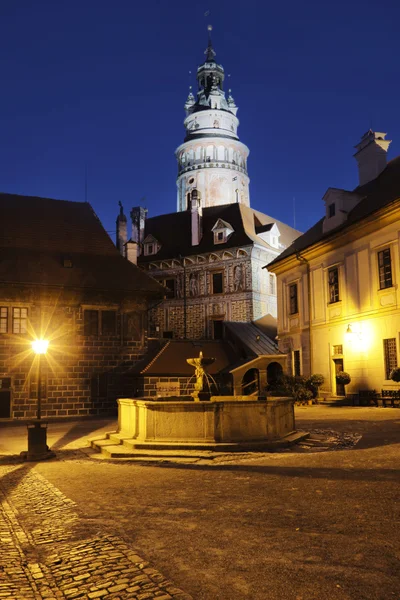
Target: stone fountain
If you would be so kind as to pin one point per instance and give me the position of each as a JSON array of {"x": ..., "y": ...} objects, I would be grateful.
[{"x": 223, "y": 423}]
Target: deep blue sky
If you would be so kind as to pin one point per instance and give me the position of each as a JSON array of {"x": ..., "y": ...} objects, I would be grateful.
[{"x": 103, "y": 83}]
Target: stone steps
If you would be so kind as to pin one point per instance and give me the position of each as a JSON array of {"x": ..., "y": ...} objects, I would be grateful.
[{"x": 116, "y": 446}]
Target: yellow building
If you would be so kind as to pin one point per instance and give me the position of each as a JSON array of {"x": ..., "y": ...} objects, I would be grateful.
[{"x": 344, "y": 271}]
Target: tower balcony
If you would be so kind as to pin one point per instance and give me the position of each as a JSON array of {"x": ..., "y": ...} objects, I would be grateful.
[{"x": 209, "y": 164}]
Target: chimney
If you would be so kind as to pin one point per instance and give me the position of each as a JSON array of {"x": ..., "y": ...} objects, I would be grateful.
[
  {"x": 131, "y": 251},
  {"x": 138, "y": 216},
  {"x": 371, "y": 155},
  {"x": 121, "y": 233},
  {"x": 196, "y": 217}
]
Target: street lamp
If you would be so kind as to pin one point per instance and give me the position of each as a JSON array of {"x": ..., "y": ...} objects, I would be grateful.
[
  {"x": 39, "y": 347},
  {"x": 37, "y": 430}
]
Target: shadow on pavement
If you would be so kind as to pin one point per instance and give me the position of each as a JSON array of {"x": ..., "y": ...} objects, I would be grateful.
[
  {"x": 13, "y": 478},
  {"x": 80, "y": 429},
  {"x": 306, "y": 472}
]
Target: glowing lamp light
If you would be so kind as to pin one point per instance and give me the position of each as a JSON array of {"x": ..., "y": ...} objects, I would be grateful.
[{"x": 40, "y": 346}]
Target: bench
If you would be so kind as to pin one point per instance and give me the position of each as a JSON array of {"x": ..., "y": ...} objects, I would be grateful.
[
  {"x": 368, "y": 397},
  {"x": 390, "y": 396}
]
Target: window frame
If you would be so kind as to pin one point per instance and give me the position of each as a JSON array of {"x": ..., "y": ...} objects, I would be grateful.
[
  {"x": 217, "y": 238},
  {"x": 331, "y": 210},
  {"x": 389, "y": 356},
  {"x": 171, "y": 289},
  {"x": 293, "y": 299},
  {"x": 334, "y": 286},
  {"x": 213, "y": 274},
  {"x": 22, "y": 320},
  {"x": 4, "y": 319},
  {"x": 297, "y": 359},
  {"x": 100, "y": 328},
  {"x": 385, "y": 270}
]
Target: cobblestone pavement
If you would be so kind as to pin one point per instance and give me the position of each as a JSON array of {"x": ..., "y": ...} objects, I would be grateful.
[{"x": 43, "y": 554}]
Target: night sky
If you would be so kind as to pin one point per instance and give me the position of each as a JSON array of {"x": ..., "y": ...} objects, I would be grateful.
[{"x": 103, "y": 84}]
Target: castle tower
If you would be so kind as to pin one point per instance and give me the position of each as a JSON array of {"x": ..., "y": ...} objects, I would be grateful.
[{"x": 211, "y": 158}]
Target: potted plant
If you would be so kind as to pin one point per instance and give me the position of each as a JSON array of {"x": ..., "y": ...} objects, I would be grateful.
[
  {"x": 314, "y": 383},
  {"x": 343, "y": 377},
  {"x": 303, "y": 395},
  {"x": 395, "y": 375}
]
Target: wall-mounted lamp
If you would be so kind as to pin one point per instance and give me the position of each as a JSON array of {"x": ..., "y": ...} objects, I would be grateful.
[{"x": 349, "y": 330}]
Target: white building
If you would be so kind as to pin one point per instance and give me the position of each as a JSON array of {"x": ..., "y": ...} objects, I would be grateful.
[
  {"x": 344, "y": 272},
  {"x": 210, "y": 253},
  {"x": 211, "y": 158}
]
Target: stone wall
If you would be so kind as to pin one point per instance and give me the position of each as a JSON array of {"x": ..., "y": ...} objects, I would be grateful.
[
  {"x": 81, "y": 374},
  {"x": 238, "y": 302}
]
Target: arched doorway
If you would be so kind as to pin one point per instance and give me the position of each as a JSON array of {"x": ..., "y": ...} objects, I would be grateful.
[
  {"x": 251, "y": 383},
  {"x": 274, "y": 373}
]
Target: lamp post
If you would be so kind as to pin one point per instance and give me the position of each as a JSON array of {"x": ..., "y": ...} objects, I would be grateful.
[
  {"x": 39, "y": 347},
  {"x": 37, "y": 430}
]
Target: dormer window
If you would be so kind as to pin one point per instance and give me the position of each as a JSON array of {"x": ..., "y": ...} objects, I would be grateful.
[
  {"x": 150, "y": 246},
  {"x": 221, "y": 230},
  {"x": 331, "y": 210},
  {"x": 219, "y": 237}
]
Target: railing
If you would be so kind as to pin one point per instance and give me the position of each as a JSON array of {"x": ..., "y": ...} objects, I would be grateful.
[{"x": 212, "y": 164}]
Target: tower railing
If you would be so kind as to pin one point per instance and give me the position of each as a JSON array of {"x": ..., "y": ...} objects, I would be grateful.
[{"x": 210, "y": 164}]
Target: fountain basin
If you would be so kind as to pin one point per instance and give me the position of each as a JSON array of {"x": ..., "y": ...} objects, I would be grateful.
[{"x": 204, "y": 424}]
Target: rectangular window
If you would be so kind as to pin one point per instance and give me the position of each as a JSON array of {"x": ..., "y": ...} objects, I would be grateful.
[
  {"x": 338, "y": 349},
  {"x": 293, "y": 300},
  {"x": 217, "y": 283},
  {"x": 333, "y": 280},
  {"x": 218, "y": 331},
  {"x": 170, "y": 285},
  {"x": 3, "y": 319},
  {"x": 331, "y": 210},
  {"x": 272, "y": 284},
  {"x": 20, "y": 320},
  {"x": 108, "y": 322},
  {"x": 390, "y": 355},
  {"x": 385, "y": 269},
  {"x": 91, "y": 322},
  {"x": 296, "y": 363},
  {"x": 5, "y": 383}
]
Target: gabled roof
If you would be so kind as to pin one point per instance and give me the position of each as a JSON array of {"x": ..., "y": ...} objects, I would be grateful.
[
  {"x": 221, "y": 224},
  {"x": 376, "y": 194},
  {"x": 37, "y": 234},
  {"x": 173, "y": 231},
  {"x": 170, "y": 361},
  {"x": 256, "y": 342}
]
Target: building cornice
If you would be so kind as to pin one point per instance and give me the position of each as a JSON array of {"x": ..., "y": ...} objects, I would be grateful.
[{"x": 383, "y": 217}]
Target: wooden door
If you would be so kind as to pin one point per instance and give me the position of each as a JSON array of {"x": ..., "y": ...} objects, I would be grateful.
[{"x": 339, "y": 367}]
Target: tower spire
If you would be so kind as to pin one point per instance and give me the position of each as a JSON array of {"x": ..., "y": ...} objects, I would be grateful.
[
  {"x": 210, "y": 52},
  {"x": 212, "y": 160}
]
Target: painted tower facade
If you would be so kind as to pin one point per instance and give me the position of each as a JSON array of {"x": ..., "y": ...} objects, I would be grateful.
[{"x": 211, "y": 159}]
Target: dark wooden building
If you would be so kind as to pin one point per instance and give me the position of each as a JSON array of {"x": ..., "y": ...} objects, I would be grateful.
[{"x": 62, "y": 279}]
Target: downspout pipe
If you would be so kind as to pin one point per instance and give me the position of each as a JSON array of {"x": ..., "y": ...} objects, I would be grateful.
[{"x": 304, "y": 261}]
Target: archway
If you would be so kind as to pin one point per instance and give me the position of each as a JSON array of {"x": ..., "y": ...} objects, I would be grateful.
[
  {"x": 274, "y": 373},
  {"x": 251, "y": 383}
]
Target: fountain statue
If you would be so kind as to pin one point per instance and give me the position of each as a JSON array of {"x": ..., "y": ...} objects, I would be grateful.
[{"x": 202, "y": 378}]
